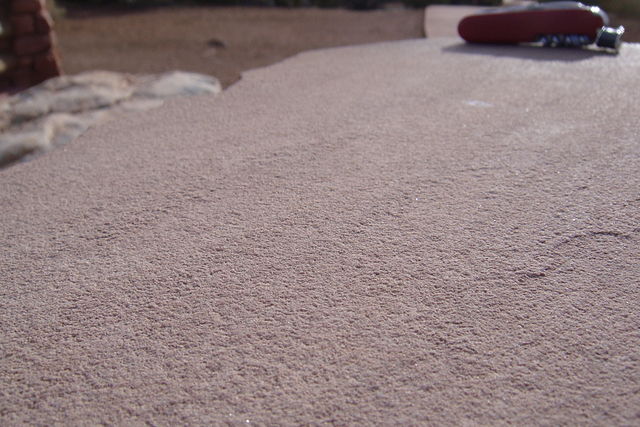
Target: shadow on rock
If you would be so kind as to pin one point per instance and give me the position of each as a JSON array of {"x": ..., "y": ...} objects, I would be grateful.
[{"x": 536, "y": 53}]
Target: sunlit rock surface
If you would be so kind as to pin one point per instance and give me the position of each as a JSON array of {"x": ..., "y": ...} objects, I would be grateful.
[
  {"x": 408, "y": 233},
  {"x": 59, "y": 110}
]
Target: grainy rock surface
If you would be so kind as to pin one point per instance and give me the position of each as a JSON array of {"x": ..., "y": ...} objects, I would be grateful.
[
  {"x": 411, "y": 233},
  {"x": 60, "y": 109}
]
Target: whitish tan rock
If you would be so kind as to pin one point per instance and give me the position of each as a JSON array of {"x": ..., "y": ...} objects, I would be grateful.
[
  {"x": 49, "y": 132},
  {"x": 17, "y": 145},
  {"x": 108, "y": 79},
  {"x": 61, "y": 109},
  {"x": 179, "y": 83},
  {"x": 65, "y": 96}
]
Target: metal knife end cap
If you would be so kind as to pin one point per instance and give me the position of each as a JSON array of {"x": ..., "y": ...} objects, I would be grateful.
[{"x": 609, "y": 37}]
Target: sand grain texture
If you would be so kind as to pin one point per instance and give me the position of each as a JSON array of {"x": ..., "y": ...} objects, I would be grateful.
[{"x": 416, "y": 232}]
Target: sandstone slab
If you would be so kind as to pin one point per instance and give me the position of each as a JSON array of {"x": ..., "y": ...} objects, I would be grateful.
[{"x": 414, "y": 233}]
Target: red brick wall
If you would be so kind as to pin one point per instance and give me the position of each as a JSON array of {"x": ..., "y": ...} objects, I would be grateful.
[{"x": 28, "y": 48}]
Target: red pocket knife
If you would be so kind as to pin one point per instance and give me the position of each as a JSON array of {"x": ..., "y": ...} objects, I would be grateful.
[{"x": 562, "y": 23}]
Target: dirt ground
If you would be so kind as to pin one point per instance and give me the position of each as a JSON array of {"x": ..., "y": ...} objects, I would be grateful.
[
  {"x": 219, "y": 41},
  {"x": 226, "y": 41},
  {"x": 631, "y": 25}
]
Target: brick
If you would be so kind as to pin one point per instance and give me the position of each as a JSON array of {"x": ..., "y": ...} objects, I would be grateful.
[
  {"x": 7, "y": 62},
  {"x": 24, "y": 61},
  {"x": 26, "y": 6},
  {"x": 39, "y": 78},
  {"x": 27, "y": 45},
  {"x": 5, "y": 28},
  {"x": 22, "y": 77},
  {"x": 22, "y": 23},
  {"x": 46, "y": 66},
  {"x": 43, "y": 22},
  {"x": 6, "y": 85}
]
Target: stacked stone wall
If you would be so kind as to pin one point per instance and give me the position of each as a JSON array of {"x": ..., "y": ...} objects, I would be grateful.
[{"x": 28, "y": 53}]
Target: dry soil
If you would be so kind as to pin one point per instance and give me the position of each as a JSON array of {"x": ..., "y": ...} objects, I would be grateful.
[{"x": 219, "y": 41}]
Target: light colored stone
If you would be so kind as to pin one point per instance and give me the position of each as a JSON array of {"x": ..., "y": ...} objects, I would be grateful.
[
  {"x": 17, "y": 145},
  {"x": 28, "y": 106},
  {"x": 107, "y": 79},
  {"x": 67, "y": 95},
  {"x": 179, "y": 83},
  {"x": 64, "y": 128},
  {"x": 77, "y": 99},
  {"x": 51, "y": 131},
  {"x": 61, "y": 109}
]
